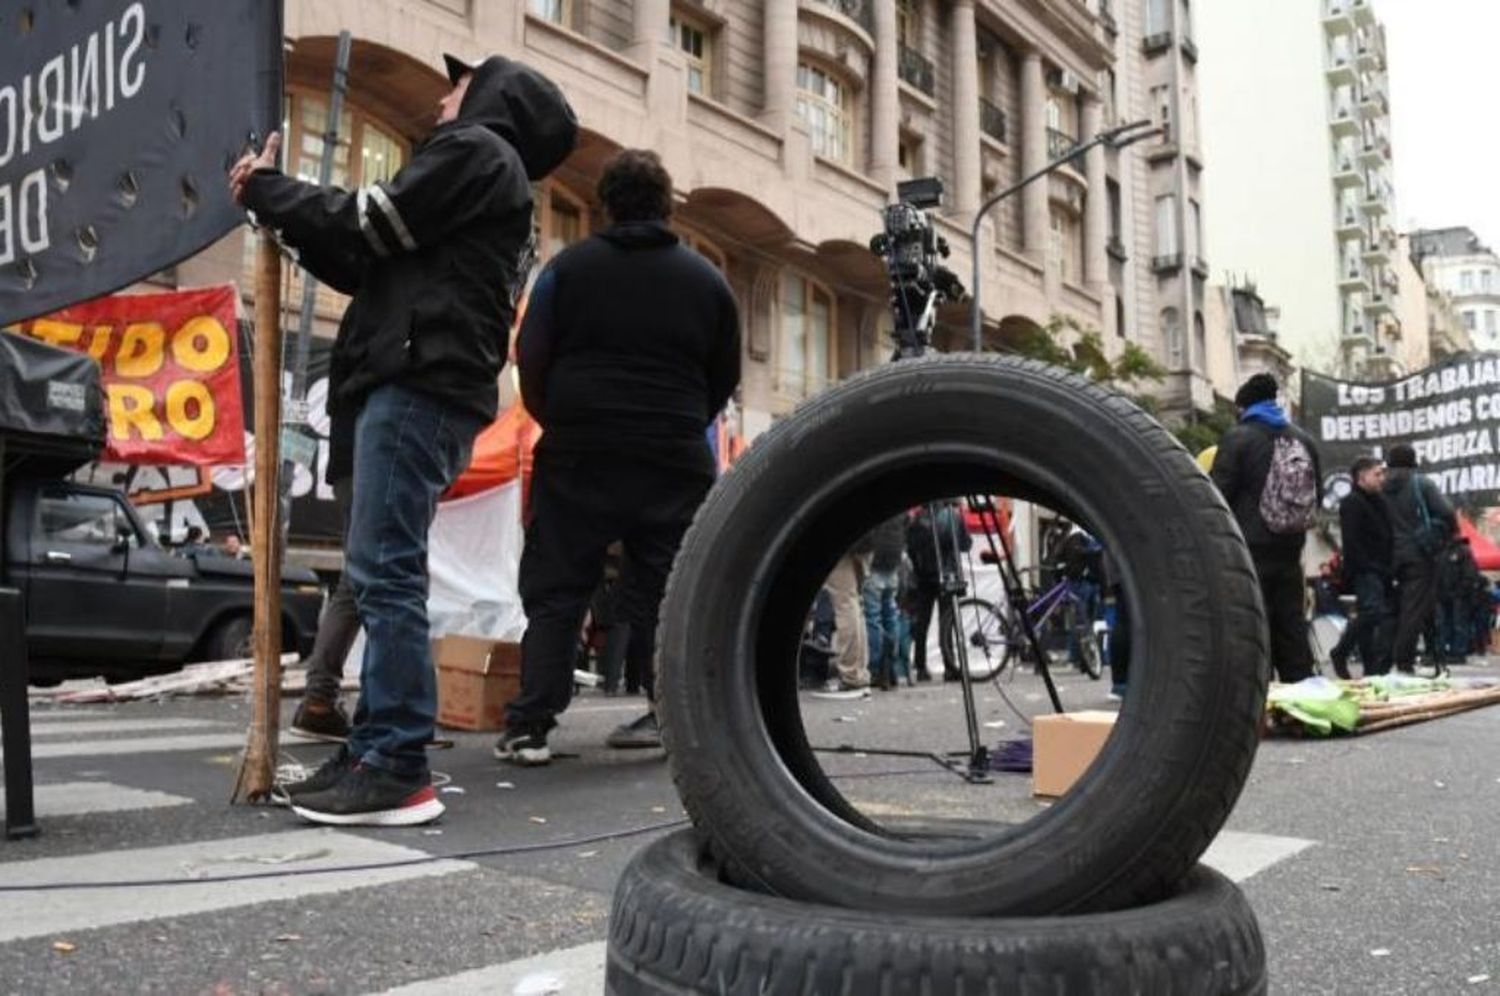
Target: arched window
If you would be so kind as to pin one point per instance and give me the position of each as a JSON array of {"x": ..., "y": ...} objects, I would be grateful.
[
  {"x": 562, "y": 218},
  {"x": 823, "y": 101},
  {"x": 1171, "y": 333},
  {"x": 804, "y": 346},
  {"x": 378, "y": 151}
]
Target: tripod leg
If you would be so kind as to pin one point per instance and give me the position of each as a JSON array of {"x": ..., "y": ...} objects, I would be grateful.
[{"x": 952, "y": 635}]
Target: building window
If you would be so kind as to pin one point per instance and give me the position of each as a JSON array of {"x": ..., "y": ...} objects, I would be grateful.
[
  {"x": 1489, "y": 323},
  {"x": 806, "y": 340},
  {"x": 696, "y": 42},
  {"x": 556, "y": 11},
  {"x": 823, "y": 102},
  {"x": 1186, "y": 23},
  {"x": 909, "y": 156},
  {"x": 561, "y": 219},
  {"x": 1469, "y": 320},
  {"x": 1120, "y": 315},
  {"x": 1161, "y": 110},
  {"x": 909, "y": 23},
  {"x": 381, "y": 152},
  {"x": 1063, "y": 245},
  {"x": 1466, "y": 282},
  {"x": 1171, "y": 331},
  {"x": 1158, "y": 17},
  {"x": 1166, "y": 226},
  {"x": 1486, "y": 281},
  {"x": 1116, "y": 218},
  {"x": 1200, "y": 343}
]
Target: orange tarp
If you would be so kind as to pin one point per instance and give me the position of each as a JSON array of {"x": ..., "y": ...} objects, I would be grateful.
[{"x": 502, "y": 453}]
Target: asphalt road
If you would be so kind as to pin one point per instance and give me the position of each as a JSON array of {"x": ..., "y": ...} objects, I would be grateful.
[{"x": 1382, "y": 876}]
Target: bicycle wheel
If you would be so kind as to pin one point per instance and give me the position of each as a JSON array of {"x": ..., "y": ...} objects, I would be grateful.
[
  {"x": 1091, "y": 659},
  {"x": 990, "y": 637}
]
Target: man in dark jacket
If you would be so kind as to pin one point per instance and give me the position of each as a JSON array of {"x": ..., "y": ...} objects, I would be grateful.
[
  {"x": 435, "y": 259},
  {"x": 934, "y": 539},
  {"x": 1365, "y": 525},
  {"x": 1458, "y": 580},
  {"x": 1240, "y": 470},
  {"x": 1422, "y": 522},
  {"x": 629, "y": 350},
  {"x": 887, "y": 543}
]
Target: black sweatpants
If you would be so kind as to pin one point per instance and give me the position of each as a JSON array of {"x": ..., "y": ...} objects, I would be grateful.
[
  {"x": 579, "y": 506},
  {"x": 928, "y": 597},
  {"x": 1281, "y": 589},
  {"x": 1417, "y": 594}
]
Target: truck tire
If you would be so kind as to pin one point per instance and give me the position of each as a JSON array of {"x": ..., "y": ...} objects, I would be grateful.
[
  {"x": 675, "y": 928},
  {"x": 229, "y": 640},
  {"x": 880, "y": 443}
]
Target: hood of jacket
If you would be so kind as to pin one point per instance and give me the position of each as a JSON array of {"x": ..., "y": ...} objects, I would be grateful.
[
  {"x": 523, "y": 107},
  {"x": 1398, "y": 480},
  {"x": 640, "y": 235}
]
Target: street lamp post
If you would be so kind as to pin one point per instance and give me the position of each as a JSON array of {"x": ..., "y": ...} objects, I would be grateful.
[{"x": 1118, "y": 137}]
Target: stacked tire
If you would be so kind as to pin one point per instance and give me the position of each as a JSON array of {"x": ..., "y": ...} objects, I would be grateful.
[{"x": 783, "y": 886}]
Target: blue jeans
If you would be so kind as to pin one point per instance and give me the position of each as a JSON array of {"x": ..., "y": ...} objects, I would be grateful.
[
  {"x": 409, "y": 447},
  {"x": 879, "y": 597}
]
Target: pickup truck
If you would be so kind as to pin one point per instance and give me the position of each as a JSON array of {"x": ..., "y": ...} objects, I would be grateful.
[{"x": 104, "y": 599}]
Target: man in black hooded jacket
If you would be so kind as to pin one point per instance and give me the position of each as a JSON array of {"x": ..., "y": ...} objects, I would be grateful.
[
  {"x": 629, "y": 350},
  {"x": 1422, "y": 522},
  {"x": 435, "y": 259},
  {"x": 1365, "y": 528}
]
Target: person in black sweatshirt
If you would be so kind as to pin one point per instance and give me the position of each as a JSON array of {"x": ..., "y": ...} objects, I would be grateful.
[
  {"x": 1365, "y": 525},
  {"x": 629, "y": 350},
  {"x": 1422, "y": 522}
]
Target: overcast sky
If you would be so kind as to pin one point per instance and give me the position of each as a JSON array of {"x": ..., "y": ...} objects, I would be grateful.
[{"x": 1444, "y": 79}]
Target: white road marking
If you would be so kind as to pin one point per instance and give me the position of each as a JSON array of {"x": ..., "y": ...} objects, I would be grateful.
[
  {"x": 40, "y": 914},
  {"x": 137, "y": 745},
  {"x": 94, "y": 727},
  {"x": 1241, "y": 855},
  {"x": 570, "y": 971},
  {"x": 81, "y": 798}
]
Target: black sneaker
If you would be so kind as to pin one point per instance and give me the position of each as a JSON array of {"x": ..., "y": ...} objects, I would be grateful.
[
  {"x": 316, "y": 720},
  {"x": 524, "y": 747},
  {"x": 372, "y": 797},
  {"x": 643, "y": 734},
  {"x": 329, "y": 774}
]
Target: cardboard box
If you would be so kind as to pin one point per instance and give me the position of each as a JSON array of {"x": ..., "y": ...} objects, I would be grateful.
[
  {"x": 1063, "y": 747},
  {"x": 476, "y": 679}
]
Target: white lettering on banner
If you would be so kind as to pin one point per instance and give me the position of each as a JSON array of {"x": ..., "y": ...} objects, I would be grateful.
[
  {"x": 23, "y": 217},
  {"x": 1387, "y": 425},
  {"x": 8, "y": 122},
  {"x": 130, "y": 86}
]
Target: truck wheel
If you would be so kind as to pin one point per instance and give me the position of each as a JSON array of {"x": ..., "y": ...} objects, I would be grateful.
[
  {"x": 230, "y": 639},
  {"x": 883, "y": 442},
  {"x": 675, "y": 928}
]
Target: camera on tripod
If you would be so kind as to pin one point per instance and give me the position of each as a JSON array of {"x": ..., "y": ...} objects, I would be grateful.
[{"x": 912, "y": 251}]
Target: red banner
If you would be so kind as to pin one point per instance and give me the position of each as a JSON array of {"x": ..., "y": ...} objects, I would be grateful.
[{"x": 170, "y": 367}]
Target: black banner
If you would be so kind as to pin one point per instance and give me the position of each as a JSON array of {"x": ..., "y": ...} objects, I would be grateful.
[
  {"x": 119, "y": 121},
  {"x": 1450, "y": 413}
]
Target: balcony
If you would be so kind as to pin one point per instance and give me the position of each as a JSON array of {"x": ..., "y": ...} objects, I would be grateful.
[
  {"x": 1370, "y": 154},
  {"x": 992, "y": 121},
  {"x": 1367, "y": 58},
  {"x": 1349, "y": 225},
  {"x": 1378, "y": 303},
  {"x": 1376, "y": 204},
  {"x": 1340, "y": 69},
  {"x": 1116, "y": 249},
  {"x": 1344, "y": 123},
  {"x": 1168, "y": 263},
  {"x": 1338, "y": 19},
  {"x": 918, "y": 71},
  {"x": 1059, "y": 144},
  {"x": 1378, "y": 251},
  {"x": 1157, "y": 43},
  {"x": 1363, "y": 12},
  {"x": 1200, "y": 268},
  {"x": 1346, "y": 174},
  {"x": 861, "y": 12},
  {"x": 1190, "y": 50},
  {"x": 1352, "y": 279},
  {"x": 1107, "y": 17}
]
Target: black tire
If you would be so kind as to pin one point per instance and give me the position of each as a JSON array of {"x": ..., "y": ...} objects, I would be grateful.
[
  {"x": 230, "y": 639},
  {"x": 777, "y": 522},
  {"x": 1090, "y": 657},
  {"x": 676, "y": 929}
]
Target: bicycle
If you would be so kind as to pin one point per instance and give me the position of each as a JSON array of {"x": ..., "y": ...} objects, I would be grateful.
[{"x": 994, "y": 630}]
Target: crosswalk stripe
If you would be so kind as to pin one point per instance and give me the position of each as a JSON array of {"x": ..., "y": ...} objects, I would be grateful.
[
  {"x": 577, "y": 971},
  {"x": 137, "y": 745},
  {"x": 39, "y": 914},
  {"x": 82, "y": 798},
  {"x": 1241, "y": 855},
  {"x": 94, "y": 727}
]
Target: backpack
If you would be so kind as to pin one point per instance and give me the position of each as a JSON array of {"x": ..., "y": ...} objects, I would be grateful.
[
  {"x": 1429, "y": 538},
  {"x": 1289, "y": 502}
]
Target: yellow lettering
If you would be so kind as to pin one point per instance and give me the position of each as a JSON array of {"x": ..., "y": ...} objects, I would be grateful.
[
  {"x": 197, "y": 424},
  {"x": 130, "y": 408},
  {"x": 99, "y": 342},
  {"x": 56, "y": 333},
  {"x": 142, "y": 350},
  {"x": 201, "y": 345}
]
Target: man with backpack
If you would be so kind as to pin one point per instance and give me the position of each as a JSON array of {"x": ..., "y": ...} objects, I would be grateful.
[
  {"x": 1422, "y": 522},
  {"x": 1365, "y": 527},
  {"x": 1268, "y": 472}
]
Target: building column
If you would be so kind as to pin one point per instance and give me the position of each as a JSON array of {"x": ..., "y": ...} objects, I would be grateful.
[
  {"x": 1034, "y": 155},
  {"x": 966, "y": 175},
  {"x": 780, "y": 63},
  {"x": 1096, "y": 207},
  {"x": 885, "y": 100},
  {"x": 649, "y": 28}
]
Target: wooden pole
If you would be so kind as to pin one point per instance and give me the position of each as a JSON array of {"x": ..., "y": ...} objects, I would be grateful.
[{"x": 257, "y": 771}]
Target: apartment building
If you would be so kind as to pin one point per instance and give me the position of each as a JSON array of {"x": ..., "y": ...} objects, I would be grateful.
[
  {"x": 1299, "y": 125},
  {"x": 786, "y": 125},
  {"x": 1457, "y": 264}
]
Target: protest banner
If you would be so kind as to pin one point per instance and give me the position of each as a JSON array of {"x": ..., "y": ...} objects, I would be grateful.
[
  {"x": 118, "y": 124},
  {"x": 170, "y": 369},
  {"x": 1449, "y": 413}
]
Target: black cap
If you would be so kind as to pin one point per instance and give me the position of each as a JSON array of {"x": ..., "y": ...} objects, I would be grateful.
[
  {"x": 1401, "y": 455},
  {"x": 457, "y": 68}
]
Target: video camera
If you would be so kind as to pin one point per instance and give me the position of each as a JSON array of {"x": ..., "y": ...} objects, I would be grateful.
[{"x": 912, "y": 251}]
